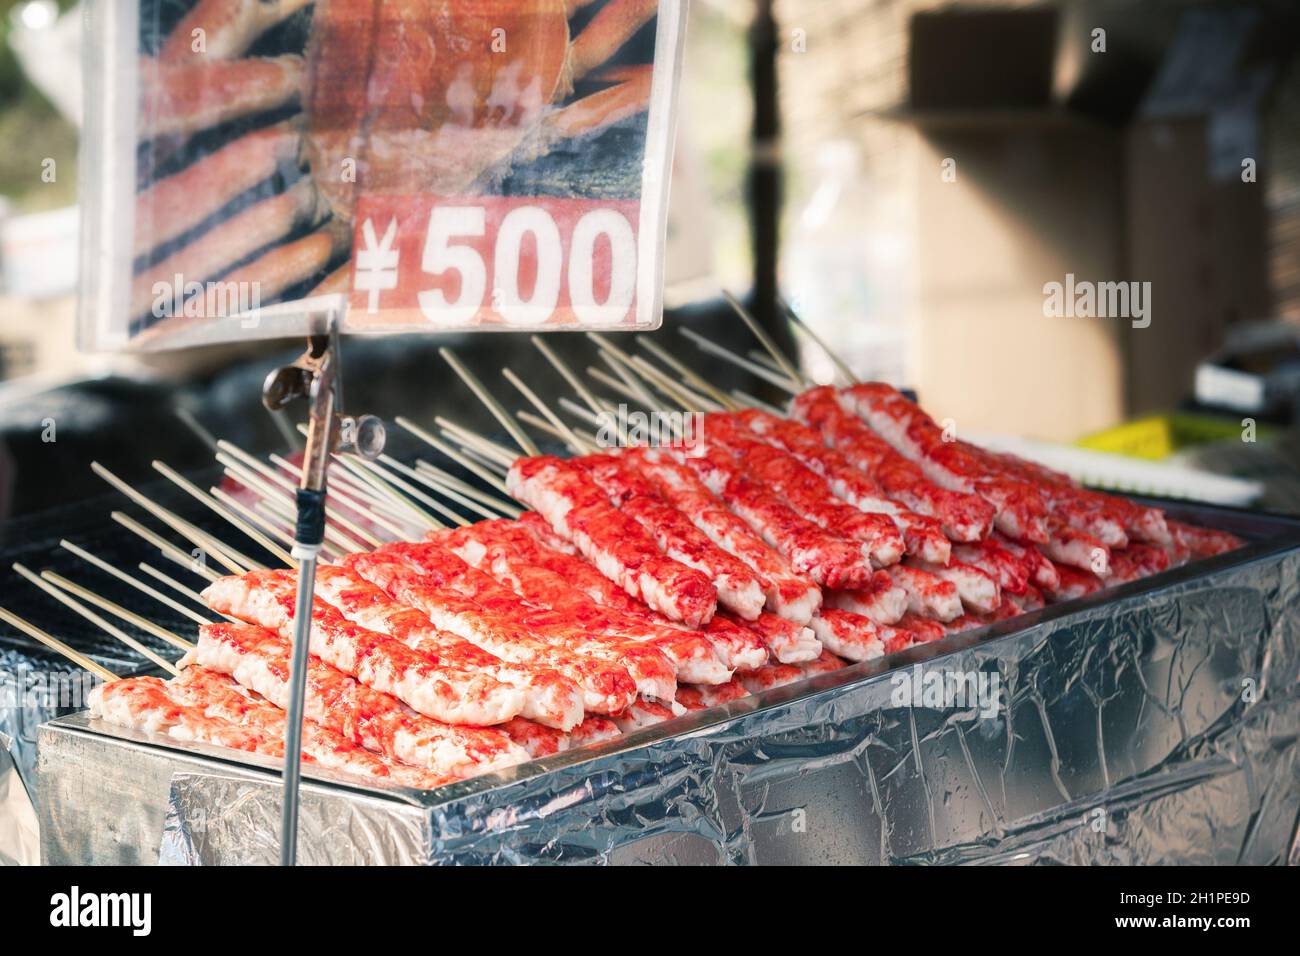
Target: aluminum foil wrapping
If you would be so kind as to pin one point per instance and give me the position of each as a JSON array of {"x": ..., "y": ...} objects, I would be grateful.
[
  {"x": 29, "y": 696},
  {"x": 1148, "y": 726},
  {"x": 19, "y": 838}
]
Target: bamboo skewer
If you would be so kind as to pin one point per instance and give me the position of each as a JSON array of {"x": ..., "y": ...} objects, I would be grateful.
[
  {"x": 594, "y": 419},
  {"x": 186, "y": 530},
  {"x": 723, "y": 400},
  {"x": 567, "y": 373},
  {"x": 439, "y": 445},
  {"x": 216, "y": 507},
  {"x": 622, "y": 389},
  {"x": 378, "y": 483},
  {"x": 617, "y": 360},
  {"x": 589, "y": 441},
  {"x": 672, "y": 389},
  {"x": 117, "y": 610},
  {"x": 575, "y": 444},
  {"x": 759, "y": 371},
  {"x": 289, "y": 487},
  {"x": 490, "y": 465},
  {"x": 256, "y": 518},
  {"x": 501, "y": 453},
  {"x": 79, "y": 608},
  {"x": 493, "y": 406},
  {"x": 798, "y": 322},
  {"x": 187, "y": 418},
  {"x": 787, "y": 367},
  {"x": 195, "y": 596},
  {"x": 170, "y": 637},
  {"x": 181, "y": 589},
  {"x": 447, "y": 491},
  {"x": 441, "y": 479},
  {"x": 56, "y": 645},
  {"x": 376, "y": 510},
  {"x": 134, "y": 582},
  {"x": 387, "y": 475},
  {"x": 381, "y": 486},
  {"x": 169, "y": 550}
]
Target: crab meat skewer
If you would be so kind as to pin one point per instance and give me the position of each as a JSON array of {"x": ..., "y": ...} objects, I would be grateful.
[
  {"x": 788, "y": 593},
  {"x": 829, "y": 560},
  {"x": 580, "y": 512},
  {"x": 429, "y": 685},
  {"x": 739, "y": 589},
  {"x": 550, "y": 698},
  {"x": 1021, "y": 512},
  {"x": 187, "y": 710},
  {"x": 806, "y": 491},
  {"x": 965, "y": 517},
  {"x": 221, "y": 697},
  {"x": 150, "y": 705},
  {"x": 923, "y": 535},
  {"x": 648, "y": 667},
  {"x": 485, "y": 547},
  {"x": 258, "y": 659},
  {"x": 532, "y": 539},
  {"x": 606, "y": 688}
]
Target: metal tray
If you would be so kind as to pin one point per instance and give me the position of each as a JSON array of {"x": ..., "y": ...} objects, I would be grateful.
[{"x": 1153, "y": 722}]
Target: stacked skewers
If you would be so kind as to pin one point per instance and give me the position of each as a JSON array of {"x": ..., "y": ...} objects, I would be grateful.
[{"x": 645, "y": 581}]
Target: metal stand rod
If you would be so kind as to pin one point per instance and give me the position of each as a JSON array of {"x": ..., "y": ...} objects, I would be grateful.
[
  {"x": 297, "y": 704},
  {"x": 318, "y": 377}
]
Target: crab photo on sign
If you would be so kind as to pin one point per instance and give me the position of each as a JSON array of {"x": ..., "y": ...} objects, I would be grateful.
[{"x": 430, "y": 164}]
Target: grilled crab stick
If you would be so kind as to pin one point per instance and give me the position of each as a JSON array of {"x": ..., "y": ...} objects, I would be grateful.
[
  {"x": 806, "y": 491},
  {"x": 739, "y": 588},
  {"x": 1021, "y": 512},
  {"x": 788, "y": 593},
  {"x": 692, "y": 655},
  {"x": 550, "y": 698},
  {"x": 196, "y": 707},
  {"x": 648, "y": 667},
  {"x": 1108, "y": 517},
  {"x": 734, "y": 647},
  {"x": 923, "y": 535},
  {"x": 927, "y": 594},
  {"x": 606, "y": 688},
  {"x": 581, "y": 513},
  {"x": 148, "y": 704},
  {"x": 531, "y": 540},
  {"x": 427, "y": 684},
  {"x": 831, "y": 561},
  {"x": 259, "y": 659},
  {"x": 964, "y": 517},
  {"x": 222, "y": 698}
]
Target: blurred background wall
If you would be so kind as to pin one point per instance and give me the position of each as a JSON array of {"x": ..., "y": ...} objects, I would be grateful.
[{"x": 913, "y": 173}]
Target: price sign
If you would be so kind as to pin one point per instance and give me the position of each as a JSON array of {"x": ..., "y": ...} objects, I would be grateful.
[
  {"x": 493, "y": 262},
  {"x": 470, "y": 165}
]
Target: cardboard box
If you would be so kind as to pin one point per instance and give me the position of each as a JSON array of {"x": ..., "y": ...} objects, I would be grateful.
[{"x": 1032, "y": 200}]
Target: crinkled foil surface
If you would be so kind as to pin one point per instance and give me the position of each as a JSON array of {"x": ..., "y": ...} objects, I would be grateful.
[{"x": 1156, "y": 726}]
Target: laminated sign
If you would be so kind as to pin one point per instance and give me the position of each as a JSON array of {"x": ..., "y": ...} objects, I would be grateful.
[{"x": 411, "y": 165}]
